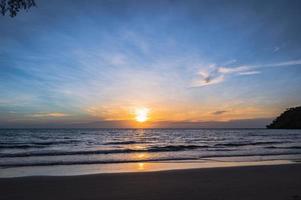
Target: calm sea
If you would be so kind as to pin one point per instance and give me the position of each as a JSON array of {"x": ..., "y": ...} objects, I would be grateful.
[{"x": 49, "y": 147}]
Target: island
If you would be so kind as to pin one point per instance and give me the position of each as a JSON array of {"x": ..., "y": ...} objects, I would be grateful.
[{"x": 289, "y": 119}]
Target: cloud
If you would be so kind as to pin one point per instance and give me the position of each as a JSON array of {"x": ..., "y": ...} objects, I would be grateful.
[
  {"x": 220, "y": 112},
  {"x": 217, "y": 75},
  {"x": 228, "y": 70},
  {"x": 281, "y": 64},
  {"x": 208, "y": 78},
  {"x": 54, "y": 114},
  {"x": 249, "y": 73},
  {"x": 230, "y": 62},
  {"x": 276, "y": 49}
]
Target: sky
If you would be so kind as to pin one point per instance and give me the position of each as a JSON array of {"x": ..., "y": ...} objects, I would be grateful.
[{"x": 189, "y": 63}]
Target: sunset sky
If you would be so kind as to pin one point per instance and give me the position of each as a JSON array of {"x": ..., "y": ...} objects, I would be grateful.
[{"x": 189, "y": 63}]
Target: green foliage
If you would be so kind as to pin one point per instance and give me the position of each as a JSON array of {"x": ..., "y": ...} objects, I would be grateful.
[
  {"x": 12, "y": 7},
  {"x": 290, "y": 119}
]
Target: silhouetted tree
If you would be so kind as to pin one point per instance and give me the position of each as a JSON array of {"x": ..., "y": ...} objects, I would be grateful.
[
  {"x": 14, "y": 6},
  {"x": 290, "y": 119}
]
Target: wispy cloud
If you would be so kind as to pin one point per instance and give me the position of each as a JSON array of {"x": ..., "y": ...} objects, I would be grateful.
[
  {"x": 208, "y": 78},
  {"x": 230, "y": 70},
  {"x": 249, "y": 73},
  {"x": 219, "y": 112},
  {"x": 276, "y": 49},
  {"x": 54, "y": 114},
  {"x": 218, "y": 74},
  {"x": 280, "y": 64}
]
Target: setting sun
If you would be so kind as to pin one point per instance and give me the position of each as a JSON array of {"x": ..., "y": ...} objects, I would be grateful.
[{"x": 141, "y": 114}]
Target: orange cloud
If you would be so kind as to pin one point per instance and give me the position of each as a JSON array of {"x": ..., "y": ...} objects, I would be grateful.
[{"x": 54, "y": 114}]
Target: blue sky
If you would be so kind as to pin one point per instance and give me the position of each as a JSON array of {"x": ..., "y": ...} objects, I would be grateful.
[{"x": 191, "y": 61}]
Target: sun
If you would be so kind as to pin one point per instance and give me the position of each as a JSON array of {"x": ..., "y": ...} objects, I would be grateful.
[{"x": 141, "y": 114}]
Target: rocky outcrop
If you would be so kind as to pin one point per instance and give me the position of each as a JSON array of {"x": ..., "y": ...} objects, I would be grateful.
[{"x": 290, "y": 119}]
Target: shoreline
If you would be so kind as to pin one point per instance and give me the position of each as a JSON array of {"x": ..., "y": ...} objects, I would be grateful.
[
  {"x": 132, "y": 167},
  {"x": 244, "y": 182}
]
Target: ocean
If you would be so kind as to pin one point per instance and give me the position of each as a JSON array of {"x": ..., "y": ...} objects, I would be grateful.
[{"x": 21, "y": 148}]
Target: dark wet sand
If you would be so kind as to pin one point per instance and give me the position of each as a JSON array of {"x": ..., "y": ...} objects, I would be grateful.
[{"x": 243, "y": 183}]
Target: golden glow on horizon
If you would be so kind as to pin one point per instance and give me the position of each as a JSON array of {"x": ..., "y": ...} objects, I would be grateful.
[
  {"x": 141, "y": 114},
  {"x": 149, "y": 115}
]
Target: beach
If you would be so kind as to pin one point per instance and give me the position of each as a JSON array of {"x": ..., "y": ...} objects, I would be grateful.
[
  {"x": 150, "y": 100},
  {"x": 248, "y": 182}
]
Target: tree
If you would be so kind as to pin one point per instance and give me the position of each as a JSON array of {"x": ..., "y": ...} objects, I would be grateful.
[{"x": 12, "y": 7}]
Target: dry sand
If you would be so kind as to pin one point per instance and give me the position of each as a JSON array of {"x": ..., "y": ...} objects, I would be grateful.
[{"x": 256, "y": 182}]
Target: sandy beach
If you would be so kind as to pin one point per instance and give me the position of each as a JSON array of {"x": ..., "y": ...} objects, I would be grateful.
[{"x": 254, "y": 182}]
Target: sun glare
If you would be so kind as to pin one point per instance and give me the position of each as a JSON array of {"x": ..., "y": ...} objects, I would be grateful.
[{"x": 141, "y": 114}]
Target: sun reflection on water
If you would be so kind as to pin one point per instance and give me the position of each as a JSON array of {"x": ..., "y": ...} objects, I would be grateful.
[
  {"x": 141, "y": 166},
  {"x": 142, "y": 155}
]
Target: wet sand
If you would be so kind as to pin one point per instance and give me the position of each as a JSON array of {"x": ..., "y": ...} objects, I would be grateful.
[{"x": 243, "y": 183}]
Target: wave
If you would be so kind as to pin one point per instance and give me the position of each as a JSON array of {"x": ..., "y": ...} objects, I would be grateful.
[
  {"x": 248, "y": 144},
  {"x": 250, "y": 155},
  {"x": 151, "y": 149},
  {"x": 176, "y": 148},
  {"x": 112, "y": 151},
  {"x": 291, "y": 147},
  {"x": 87, "y": 162},
  {"x": 23, "y": 145},
  {"x": 56, "y": 142},
  {"x": 123, "y": 142}
]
